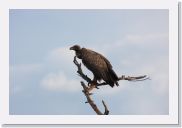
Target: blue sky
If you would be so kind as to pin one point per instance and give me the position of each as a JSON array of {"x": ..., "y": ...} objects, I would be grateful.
[{"x": 43, "y": 78}]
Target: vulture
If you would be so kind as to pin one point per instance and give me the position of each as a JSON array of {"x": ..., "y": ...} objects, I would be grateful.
[{"x": 97, "y": 64}]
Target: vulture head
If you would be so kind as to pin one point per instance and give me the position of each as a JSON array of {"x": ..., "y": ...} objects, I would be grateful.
[
  {"x": 77, "y": 50},
  {"x": 75, "y": 47}
]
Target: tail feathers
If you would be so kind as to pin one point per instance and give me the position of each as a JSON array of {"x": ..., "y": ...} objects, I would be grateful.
[
  {"x": 113, "y": 74},
  {"x": 111, "y": 83},
  {"x": 114, "y": 77},
  {"x": 116, "y": 83}
]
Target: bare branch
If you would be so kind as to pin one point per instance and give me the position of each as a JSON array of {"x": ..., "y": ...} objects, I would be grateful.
[
  {"x": 106, "y": 109},
  {"x": 138, "y": 78},
  {"x": 129, "y": 78},
  {"x": 87, "y": 89},
  {"x": 80, "y": 72},
  {"x": 91, "y": 102}
]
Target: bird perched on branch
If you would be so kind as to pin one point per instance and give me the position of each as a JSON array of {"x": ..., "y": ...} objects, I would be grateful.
[{"x": 97, "y": 64}]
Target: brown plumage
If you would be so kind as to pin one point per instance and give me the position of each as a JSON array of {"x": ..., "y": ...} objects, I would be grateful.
[{"x": 97, "y": 64}]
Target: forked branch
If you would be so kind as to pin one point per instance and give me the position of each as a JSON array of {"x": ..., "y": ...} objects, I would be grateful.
[
  {"x": 91, "y": 102},
  {"x": 87, "y": 89}
]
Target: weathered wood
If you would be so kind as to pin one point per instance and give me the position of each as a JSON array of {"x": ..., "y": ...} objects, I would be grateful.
[
  {"x": 91, "y": 102},
  {"x": 87, "y": 89}
]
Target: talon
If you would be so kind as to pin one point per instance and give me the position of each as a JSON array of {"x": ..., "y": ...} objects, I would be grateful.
[
  {"x": 96, "y": 87},
  {"x": 90, "y": 94},
  {"x": 89, "y": 83},
  {"x": 92, "y": 83}
]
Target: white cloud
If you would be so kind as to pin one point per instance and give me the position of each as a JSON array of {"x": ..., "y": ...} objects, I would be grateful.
[
  {"x": 158, "y": 71},
  {"x": 61, "y": 79},
  {"x": 21, "y": 74},
  {"x": 60, "y": 82},
  {"x": 61, "y": 59},
  {"x": 145, "y": 38},
  {"x": 152, "y": 64},
  {"x": 148, "y": 39},
  {"x": 61, "y": 55},
  {"x": 25, "y": 68}
]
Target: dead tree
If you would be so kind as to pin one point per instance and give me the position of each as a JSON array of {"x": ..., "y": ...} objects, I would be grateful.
[{"x": 87, "y": 89}]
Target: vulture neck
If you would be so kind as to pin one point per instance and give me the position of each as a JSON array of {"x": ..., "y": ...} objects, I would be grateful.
[{"x": 78, "y": 54}]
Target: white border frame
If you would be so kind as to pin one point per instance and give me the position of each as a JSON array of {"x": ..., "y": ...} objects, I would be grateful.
[{"x": 171, "y": 5}]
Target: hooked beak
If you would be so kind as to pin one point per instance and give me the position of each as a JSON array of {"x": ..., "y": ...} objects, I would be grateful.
[{"x": 71, "y": 48}]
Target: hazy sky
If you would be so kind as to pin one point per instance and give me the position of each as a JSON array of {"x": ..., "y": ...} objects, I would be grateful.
[{"x": 43, "y": 78}]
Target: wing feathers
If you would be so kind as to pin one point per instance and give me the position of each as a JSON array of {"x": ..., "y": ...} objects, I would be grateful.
[{"x": 99, "y": 65}]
